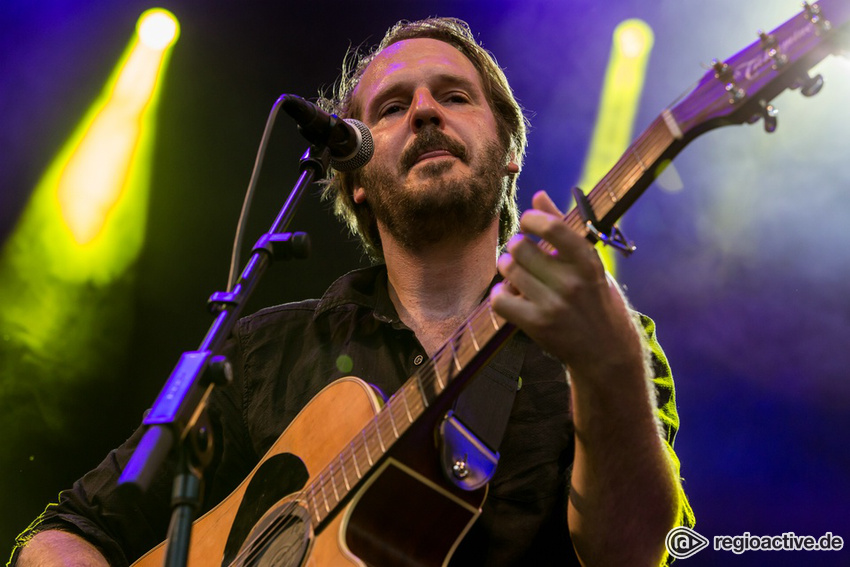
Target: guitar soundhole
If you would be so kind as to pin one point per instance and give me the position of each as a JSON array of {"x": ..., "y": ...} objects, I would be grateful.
[{"x": 280, "y": 539}]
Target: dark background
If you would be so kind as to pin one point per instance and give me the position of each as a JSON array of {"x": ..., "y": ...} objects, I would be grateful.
[{"x": 745, "y": 270}]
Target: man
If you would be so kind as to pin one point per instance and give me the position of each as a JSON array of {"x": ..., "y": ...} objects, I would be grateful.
[{"x": 587, "y": 473}]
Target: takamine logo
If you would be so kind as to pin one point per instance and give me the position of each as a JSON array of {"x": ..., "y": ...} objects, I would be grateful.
[{"x": 683, "y": 542}]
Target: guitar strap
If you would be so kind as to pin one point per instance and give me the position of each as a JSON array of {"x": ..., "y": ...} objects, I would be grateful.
[
  {"x": 471, "y": 433},
  {"x": 484, "y": 406}
]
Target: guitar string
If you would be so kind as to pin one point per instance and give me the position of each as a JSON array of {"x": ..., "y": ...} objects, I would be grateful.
[
  {"x": 650, "y": 144},
  {"x": 251, "y": 553},
  {"x": 645, "y": 151},
  {"x": 623, "y": 174}
]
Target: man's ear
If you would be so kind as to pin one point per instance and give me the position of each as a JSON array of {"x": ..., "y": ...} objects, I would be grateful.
[
  {"x": 358, "y": 195},
  {"x": 512, "y": 168}
]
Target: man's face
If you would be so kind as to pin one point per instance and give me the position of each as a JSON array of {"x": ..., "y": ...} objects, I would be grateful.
[{"x": 438, "y": 169}]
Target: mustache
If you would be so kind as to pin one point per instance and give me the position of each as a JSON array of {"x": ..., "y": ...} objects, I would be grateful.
[{"x": 430, "y": 139}]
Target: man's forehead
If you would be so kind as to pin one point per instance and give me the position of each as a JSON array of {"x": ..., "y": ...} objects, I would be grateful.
[{"x": 411, "y": 55}]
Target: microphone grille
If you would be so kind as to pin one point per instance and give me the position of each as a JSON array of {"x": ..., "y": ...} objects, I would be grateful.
[{"x": 364, "y": 152}]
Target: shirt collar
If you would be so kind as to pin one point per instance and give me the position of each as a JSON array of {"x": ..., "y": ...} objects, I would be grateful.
[{"x": 364, "y": 287}]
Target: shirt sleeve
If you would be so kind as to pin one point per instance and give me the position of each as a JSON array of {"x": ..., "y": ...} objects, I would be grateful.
[
  {"x": 120, "y": 527},
  {"x": 124, "y": 527},
  {"x": 668, "y": 415}
]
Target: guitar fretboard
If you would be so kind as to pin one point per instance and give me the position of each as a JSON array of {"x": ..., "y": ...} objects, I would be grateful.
[{"x": 631, "y": 175}]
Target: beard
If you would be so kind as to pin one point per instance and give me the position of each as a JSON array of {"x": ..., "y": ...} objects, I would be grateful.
[{"x": 434, "y": 208}]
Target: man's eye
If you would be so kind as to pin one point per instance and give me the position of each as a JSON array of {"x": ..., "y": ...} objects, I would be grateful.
[{"x": 391, "y": 109}]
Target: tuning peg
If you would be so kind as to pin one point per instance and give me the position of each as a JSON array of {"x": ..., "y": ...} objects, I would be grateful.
[
  {"x": 813, "y": 14},
  {"x": 767, "y": 40},
  {"x": 809, "y": 86},
  {"x": 769, "y": 44},
  {"x": 721, "y": 70},
  {"x": 769, "y": 112}
]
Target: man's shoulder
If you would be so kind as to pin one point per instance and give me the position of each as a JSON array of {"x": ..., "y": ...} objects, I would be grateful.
[
  {"x": 287, "y": 315},
  {"x": 364, "y": 287},
  {"x": 359, "y": 288}
]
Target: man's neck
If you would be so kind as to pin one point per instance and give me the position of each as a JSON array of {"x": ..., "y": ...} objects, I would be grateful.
[{"x": 435, "y": 290}]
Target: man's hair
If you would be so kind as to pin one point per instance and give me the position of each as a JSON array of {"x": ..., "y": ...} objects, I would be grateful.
[{"x": 510, "y": 121}]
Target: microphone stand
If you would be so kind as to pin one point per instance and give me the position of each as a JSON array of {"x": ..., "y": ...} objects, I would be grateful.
[{"x": 178, "y": 416}]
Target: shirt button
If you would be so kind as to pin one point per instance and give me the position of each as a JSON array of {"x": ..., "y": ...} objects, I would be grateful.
[{"x": 418, "y": 360}]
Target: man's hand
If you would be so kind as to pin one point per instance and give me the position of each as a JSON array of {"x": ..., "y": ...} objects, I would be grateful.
[{"x": 562, "y": 298}]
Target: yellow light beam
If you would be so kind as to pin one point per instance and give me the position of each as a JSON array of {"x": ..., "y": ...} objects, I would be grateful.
[
  {"x": 624, "y": 77},
  {"x": 64, "y": 270},
  {"x": 98, "y": 170}
]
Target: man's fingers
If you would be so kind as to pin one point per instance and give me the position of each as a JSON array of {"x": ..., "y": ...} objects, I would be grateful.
[{"x": 543, "y": 202}]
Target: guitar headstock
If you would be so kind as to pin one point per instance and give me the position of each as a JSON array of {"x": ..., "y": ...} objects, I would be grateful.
[{"x": 740, "y": 88}]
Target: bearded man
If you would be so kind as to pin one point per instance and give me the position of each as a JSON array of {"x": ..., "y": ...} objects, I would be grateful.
[{"x": 586, "y": 471}]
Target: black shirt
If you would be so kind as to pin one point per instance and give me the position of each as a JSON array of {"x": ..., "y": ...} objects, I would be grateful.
[{"x": 283, "y": 356}]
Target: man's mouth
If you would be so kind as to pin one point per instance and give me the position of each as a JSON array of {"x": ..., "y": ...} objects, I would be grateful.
[
  {"x": 430, "y": 144},
  {"x": 433, "y": 154}
]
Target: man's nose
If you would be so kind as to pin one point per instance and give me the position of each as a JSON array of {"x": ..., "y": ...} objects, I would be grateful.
[{"x": 425, "y": 111}]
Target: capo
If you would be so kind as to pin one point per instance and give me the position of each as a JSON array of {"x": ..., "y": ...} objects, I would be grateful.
[{"x": 611, "y": 236}]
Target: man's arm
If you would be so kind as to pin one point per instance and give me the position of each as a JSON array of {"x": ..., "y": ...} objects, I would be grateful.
[
  {"x": 53, "y": 548},
  {"x": 624, "y": 490}
]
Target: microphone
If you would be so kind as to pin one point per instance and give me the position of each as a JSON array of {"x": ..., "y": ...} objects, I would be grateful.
[{"x": 349, "y": 141}]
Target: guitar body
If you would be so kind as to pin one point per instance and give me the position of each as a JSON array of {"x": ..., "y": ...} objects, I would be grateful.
[{"x": 399, "y": 516}]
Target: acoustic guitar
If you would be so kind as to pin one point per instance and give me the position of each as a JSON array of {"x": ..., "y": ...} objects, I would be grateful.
[{"x": 329, "y": 493}]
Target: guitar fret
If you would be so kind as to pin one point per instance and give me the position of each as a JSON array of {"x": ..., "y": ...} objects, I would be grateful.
[
  {"x": 640, "y": 161},
  {"x": 406, "y": 405},
  {"x": 392, "y": 420},
  {"x": 482, "y": 326},
  {"x": 402, "y": 412},
  {"x": 333, "y": 484},
  {"x": 437, "y": 373},
  {"x": 315, "y": 506},
  {"x": 344, "y": 476},
  {"x": 458, "y": 367},
  {"x": 472, "y": 336},
  {"x": 325, "y": 496},
  {"x": 417, "y": 402},
  {"x": 614, "y": 197},
  {"x": 671, "y": 124},
  {"x": 380, "y": 441},
  {"x": 366, "y": 446},
  {"x": 492, "y": 316},
  {"x": 654, "y": 141},
  {"x": 422, "y": 395},
  {"x": 354, "y": 459}
]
